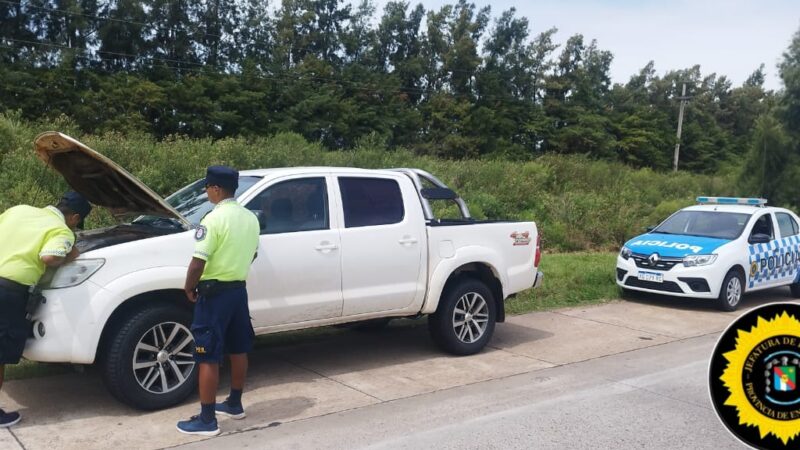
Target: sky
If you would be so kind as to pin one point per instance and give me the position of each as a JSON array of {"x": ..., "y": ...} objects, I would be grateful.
[{"x": 726, "y": 37}]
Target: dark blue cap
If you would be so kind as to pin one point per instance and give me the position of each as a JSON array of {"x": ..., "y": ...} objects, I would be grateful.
[
  {"x": 78, "y": 204},
  {"x": 223, "y": 176}
]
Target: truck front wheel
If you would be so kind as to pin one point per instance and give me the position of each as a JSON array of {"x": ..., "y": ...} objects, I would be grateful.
[
  {"x": 464, "y": 321},
  {"x": 148, "y": 361}
]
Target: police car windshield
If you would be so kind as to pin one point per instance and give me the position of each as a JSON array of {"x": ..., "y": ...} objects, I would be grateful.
[
  {"x": 713, "y": 224},
  {"x": 192, "y": 202}
]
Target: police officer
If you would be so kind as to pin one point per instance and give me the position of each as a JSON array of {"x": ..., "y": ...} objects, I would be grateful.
[
  {"x": 33, "y": 239},
  {"x": 226, "y": 244}
]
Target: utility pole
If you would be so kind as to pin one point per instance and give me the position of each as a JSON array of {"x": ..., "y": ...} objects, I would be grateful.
[{"x": 683, "y": 98}]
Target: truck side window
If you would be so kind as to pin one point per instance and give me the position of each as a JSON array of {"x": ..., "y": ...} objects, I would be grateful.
[
  {"x": 293, "y": 205},
  {"x": 787, "y": 225},
  {"x": 763, "y": 226},
  {"x": 370, "y": 201}
]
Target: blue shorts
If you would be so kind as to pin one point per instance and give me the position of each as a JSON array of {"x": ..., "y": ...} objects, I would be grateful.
[
  {"x": 14, "y": 328},
  {"x": 222, "y": 326}
]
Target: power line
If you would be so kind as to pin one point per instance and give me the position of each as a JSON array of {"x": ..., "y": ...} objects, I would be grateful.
[
  {"x": 111, "y": 19},
  {"x": 201, "y": 68}
]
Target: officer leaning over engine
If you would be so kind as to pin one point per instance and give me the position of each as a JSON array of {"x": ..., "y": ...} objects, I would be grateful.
[
  {"x": 226, "y": 244},
  {"x": 32, "y": 239}
]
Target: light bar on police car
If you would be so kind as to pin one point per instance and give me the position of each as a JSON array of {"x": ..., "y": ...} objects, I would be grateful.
[{"x": 731, "y": 201}]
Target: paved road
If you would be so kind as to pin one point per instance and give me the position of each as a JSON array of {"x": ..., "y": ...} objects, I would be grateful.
[
  {"x": 623, "y": 374},
  {"x": 650, "y": 398}
]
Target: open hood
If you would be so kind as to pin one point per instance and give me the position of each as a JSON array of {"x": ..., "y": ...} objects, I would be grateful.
[{"x": 100, "y": 180}]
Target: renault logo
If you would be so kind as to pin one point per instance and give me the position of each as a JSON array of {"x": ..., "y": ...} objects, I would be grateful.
[{"x": 654, "y": 259}]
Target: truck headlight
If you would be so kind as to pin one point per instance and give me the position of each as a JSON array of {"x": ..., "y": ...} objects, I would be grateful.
[
  {"x": 75, "y": 273},
  {"x": 625, "y": 252},
  {"x": 698, "y": 260}
]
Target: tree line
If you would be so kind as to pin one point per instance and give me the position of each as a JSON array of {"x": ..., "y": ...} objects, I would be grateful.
[{"x": 456, "y": 82}]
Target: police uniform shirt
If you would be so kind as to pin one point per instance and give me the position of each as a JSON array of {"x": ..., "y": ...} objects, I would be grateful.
[
  {"x": 28, "y": 233},
  {"x": 227, "y": 239}
]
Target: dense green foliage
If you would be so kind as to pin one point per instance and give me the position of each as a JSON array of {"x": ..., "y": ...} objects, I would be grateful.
[
  {"x": 578, "y": 203},
  {"x": 455, "y": 82}
]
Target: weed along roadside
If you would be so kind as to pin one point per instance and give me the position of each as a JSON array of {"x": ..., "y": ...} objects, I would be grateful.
[{"x": 579, "y": 204}]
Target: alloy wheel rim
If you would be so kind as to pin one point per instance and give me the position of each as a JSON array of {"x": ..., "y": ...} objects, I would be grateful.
[
  {"x": 470, "y": 317},
  {"x": 162, "y": 359},
  {"x": 734, "y": 291}
]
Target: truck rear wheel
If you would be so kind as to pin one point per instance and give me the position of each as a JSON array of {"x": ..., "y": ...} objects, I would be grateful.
[
  {"x": 148, "y": 362},
  {"x": 464, "y": 322}
]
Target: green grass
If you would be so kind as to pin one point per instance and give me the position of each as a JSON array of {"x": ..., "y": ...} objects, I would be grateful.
[
  {"x": 571, "y": 279},
  {"x": 29, "y": 369}
]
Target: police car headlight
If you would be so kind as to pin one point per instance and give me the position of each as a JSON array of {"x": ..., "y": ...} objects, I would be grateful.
[
  {"x": 698, "y": 260},
  {"x": 75, "y": 273},
  {"x": 625, "y": 252}
]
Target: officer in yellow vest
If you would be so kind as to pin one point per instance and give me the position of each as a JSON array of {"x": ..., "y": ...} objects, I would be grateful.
[
  {"x": 33, "y": 239},
  {"x": 226, "y": 244}
]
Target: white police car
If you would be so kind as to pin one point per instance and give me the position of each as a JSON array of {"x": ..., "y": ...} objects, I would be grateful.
[{"x": 718, "y": 249}]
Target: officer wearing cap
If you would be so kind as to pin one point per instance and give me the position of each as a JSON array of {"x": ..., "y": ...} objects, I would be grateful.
[
  {"x": 33, "y": 239},
  {"x": 226, "y": 244}
]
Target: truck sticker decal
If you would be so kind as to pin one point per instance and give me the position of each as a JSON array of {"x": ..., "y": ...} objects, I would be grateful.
[{"x": 523, "y": 238}]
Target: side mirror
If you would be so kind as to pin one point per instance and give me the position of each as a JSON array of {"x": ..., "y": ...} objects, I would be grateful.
[
  {"x": 759, "y": 238},
  {"x": 650, "y": 228}
]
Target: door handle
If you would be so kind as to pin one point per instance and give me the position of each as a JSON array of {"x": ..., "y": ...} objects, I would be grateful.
[
  {"x": 326, "y": 247},
  {"x": 407, "y": 240}
]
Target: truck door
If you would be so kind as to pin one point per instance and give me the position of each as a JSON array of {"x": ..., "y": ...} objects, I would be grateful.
[
  {"x": 296, "y": 276},
  {"x": 383, "y": 236}
]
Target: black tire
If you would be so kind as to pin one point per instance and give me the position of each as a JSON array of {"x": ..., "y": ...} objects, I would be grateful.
[
  {"x": 117, "y": 362},
  {"x": 443, "y": 324},
  {"x": 731, "y": 292},
  {"x": 795, "y": 288}
]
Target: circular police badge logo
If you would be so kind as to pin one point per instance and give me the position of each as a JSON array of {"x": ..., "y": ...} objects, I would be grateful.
[
  {"x": 753, "y": 377},
  {"x": 200, "y": 233}
]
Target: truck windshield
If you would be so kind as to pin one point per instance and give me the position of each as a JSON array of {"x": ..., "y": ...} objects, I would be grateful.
[
  {"x": 713, "y": 224},
  {"x": 192, "y": 202}
]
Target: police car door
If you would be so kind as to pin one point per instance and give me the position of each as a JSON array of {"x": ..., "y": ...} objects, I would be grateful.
[
  {"x": 763, "y": 247},
  {"x": 789, "y": 247},
  {"x": 297, "y": 274}
]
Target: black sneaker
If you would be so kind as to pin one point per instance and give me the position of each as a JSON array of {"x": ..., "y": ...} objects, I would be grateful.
[{"x": 8, "y": 419}]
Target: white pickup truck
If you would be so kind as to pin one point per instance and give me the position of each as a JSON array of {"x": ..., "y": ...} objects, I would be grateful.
[{"x": 338, "y": 245}]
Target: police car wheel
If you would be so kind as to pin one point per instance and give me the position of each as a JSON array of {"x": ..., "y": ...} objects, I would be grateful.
[
  {"x": 730, "y": 295},
  {"x": 148, "y": 362},
  {"x": 464, "y": 321}
]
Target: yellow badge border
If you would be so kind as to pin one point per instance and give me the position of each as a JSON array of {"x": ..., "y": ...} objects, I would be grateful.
[{"x": 783, "y": 324}]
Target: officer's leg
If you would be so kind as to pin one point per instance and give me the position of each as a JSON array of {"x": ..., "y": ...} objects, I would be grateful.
[
  {"x": 238, "y": 371},
  {"x": 208, "y": 381}
]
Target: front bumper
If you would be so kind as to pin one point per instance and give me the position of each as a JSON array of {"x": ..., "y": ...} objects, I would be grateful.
[
  {"x": 679, "y": 281},
  {"x": 68, "y": 322}
]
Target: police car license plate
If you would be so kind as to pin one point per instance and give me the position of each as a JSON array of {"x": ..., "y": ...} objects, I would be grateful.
[{"x": 651, "y": 276}]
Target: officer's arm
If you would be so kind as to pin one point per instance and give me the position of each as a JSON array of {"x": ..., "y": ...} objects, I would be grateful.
[
  {"x": 55, "y": 261},
  {"x": 196, "y": 267}
]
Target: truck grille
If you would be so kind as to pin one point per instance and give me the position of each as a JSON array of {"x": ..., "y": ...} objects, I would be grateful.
[{"x": 663, "y": 264}]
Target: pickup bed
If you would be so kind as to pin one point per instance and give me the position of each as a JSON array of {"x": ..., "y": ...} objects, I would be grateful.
[{"x": 337, "y": 245}]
